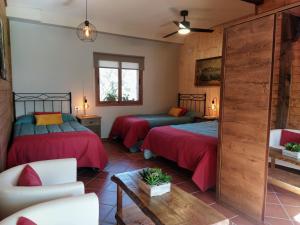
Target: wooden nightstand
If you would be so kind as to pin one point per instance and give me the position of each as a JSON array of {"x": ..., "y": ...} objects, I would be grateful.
[
  {"x": 93, "y": 122},
  {"x": 198, "y": 119}
]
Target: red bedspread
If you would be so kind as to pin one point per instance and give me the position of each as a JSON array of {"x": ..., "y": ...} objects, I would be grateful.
[
  {"x": 191, "y": 151},
  {"x": 85, "y": 146},
  {"x": 130, "y": 128}
]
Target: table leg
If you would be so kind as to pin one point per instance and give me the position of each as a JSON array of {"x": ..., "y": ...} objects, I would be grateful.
[
  {"x": 119, "y": 200},
  {"x": 272, "y": 162}
]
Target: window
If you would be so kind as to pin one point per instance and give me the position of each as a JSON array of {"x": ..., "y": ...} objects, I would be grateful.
[{"x": 119, "y": 79}]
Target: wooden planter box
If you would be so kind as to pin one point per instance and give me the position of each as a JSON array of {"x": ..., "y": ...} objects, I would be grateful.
[
  {"x": 291, "y": 154},
  {"x": 154, "y": 190}
]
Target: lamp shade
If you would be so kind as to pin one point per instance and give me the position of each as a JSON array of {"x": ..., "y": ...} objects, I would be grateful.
[{"x": 86, "y": 31}]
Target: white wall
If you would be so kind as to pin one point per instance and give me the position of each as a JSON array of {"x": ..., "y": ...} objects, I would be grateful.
[{"x": 52, "y": 59}]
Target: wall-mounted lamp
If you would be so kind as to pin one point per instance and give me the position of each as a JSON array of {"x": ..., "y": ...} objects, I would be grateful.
[
  {"x": 85, "y": 105},
  {"x": 214, "y": 106}
]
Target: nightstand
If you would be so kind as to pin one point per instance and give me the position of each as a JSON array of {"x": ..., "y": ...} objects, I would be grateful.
[
  {"x": 198, "y": 119},
  {"x": 93, "y": 122}
]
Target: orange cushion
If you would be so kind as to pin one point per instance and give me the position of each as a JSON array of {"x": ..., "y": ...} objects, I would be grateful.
[
  {"x": 175, "y": 111},
  {"x": 48, "y": 119}
]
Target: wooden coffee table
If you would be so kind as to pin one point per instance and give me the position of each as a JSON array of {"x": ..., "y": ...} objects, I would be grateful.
[
  {"x": 175, "y": 208},
  {"x": 281, "y": 178}
]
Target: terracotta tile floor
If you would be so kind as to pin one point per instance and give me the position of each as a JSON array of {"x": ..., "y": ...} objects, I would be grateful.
[{"x": 282, "y": 207}]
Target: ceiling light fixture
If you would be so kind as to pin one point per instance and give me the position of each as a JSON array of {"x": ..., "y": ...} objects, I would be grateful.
[
  {"x": 184, "y": 28},
  {"x": 86, "y": 31},
  {"x": 184, "y": 31}
]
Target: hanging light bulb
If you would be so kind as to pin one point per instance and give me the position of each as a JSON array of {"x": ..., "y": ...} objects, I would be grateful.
[{"x": 86, "y": 31}]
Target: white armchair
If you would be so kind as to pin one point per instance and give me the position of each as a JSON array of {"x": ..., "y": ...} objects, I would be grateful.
[
  {"x": 59, "y": 179},
  {"x": 77, "y": 210}
]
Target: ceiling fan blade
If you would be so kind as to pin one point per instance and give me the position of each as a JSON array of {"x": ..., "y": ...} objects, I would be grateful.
[
  {"x": 176, "y": 23},
  {"x": 202, "y": 30},
  {"x": 168, "y": 35}
]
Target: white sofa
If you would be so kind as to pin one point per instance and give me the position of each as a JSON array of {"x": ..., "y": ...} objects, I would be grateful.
[
  {"x": 59, "y": 179},
  {"x": 275, "y": 136},
  {"x": 79, "y": 210}
]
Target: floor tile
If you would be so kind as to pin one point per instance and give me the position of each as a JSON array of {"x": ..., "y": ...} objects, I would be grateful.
[
  {"x": 239, "y": 220},
  {"x": 98, "y": 183},
  {"x": 275, "y": 221},
  {"x": 104, "y": 211},
  {"x": 111, "y": 186},
  {"x": 110, "y": 218},
  {"x": 108, "y": 198},
  {"x": 189, "y": 187},
  {"x": 294, "y": 213},
  {"x": 275, "y": 211},
  {"x": 289, "y": 199},
  {"x": 270, "y": 188},
  {"x": 272, "y": 198}
]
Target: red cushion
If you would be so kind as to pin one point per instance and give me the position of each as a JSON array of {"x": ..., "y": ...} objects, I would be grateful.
[
  {"x": 29, "y": 177},
  {"x": 43, "y": 113},
  {"x": 24, "y": 221},
  {"x": 183, "y": 111},
  {"x": 289, "y": 136}
]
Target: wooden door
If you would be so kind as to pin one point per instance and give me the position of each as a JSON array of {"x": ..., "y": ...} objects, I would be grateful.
[{"x": 244, "y": 130}]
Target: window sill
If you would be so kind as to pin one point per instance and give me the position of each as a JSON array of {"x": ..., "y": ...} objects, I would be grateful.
[{"x": 119, "y": 103}]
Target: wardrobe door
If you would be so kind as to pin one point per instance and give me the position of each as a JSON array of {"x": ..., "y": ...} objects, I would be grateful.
[{"x": 244, "y": 130}]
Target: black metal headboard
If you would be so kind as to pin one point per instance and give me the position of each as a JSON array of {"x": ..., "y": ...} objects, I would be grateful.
[
  {"x": 28, "y": 103},
  {"x": 193, "y": 102}
]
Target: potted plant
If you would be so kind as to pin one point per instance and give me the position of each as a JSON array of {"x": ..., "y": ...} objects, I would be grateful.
[
  {"x": 154, "y": 182},
  {"x": 292, "y": 150}
]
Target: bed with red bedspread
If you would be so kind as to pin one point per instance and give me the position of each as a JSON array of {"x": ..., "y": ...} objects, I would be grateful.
[
  {"x": 133, "y": 129},
  {"x": 68, "y": 140},
  {"x": 193, "y": 146}
]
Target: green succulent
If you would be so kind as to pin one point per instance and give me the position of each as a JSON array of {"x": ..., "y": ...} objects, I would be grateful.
[
  {"x": 155, "y": 176},
  {"x": 293, "y": 147}
]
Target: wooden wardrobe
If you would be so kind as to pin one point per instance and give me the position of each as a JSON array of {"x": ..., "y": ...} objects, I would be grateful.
[{"x": 252, "y": 66}]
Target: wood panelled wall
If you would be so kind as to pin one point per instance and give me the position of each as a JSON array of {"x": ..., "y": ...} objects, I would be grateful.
[
  {"x": 245, "y": 112},
  {"x": 293, "y": 116},
  {"x": 199, "y": 46},
  {"x": 273, "y": 4},
  {"x": 294, "y": 103},
  {"x": 5, "y": 94},
  {"x": 276, "y": 72}
]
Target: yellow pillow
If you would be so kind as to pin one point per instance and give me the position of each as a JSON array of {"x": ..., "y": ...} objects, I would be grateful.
[
  {"x": 48, "y": 119},
  {"x": 174, "y": 111}
]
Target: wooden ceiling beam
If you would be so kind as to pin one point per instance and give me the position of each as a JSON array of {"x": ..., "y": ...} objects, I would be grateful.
[{"x": 256, "y": 2}]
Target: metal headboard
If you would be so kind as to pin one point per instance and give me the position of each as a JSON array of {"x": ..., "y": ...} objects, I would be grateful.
[
  {"x": 28, "y": 103},
  {"x": 193, "y": 102}
]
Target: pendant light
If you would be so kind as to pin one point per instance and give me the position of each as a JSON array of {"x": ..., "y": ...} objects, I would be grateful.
[{"x": 86, "y": 31}]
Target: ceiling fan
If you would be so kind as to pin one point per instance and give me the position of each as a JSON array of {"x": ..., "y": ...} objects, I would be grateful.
[{"x": 185, "y": 26}]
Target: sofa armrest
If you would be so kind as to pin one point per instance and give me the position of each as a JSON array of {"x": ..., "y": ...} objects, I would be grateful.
[
  {"x": 51, "y": 172},
  {"x": 57, "y": 171},
  {"x": 78, "y": 210},
  {"x": 13, "y": 199}
]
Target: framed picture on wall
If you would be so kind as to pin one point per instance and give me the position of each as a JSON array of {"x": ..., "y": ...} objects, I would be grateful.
[
  {"x": 3, "y": 74},
  {"x": 208, "y": 72}
]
